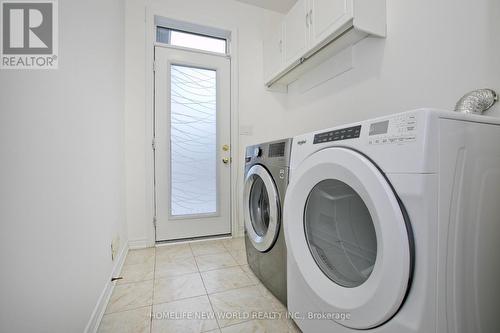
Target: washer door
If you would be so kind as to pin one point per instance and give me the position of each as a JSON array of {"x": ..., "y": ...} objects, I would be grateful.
[
  {"x": 348, "y": 235},
  {"x": 261, "y": 208}
]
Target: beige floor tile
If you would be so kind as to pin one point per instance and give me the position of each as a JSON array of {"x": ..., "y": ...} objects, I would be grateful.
[
  {"x": 130, "y": 296},
  {"x": 141, "y": 256},
  {"x": 293, "y": 328},
  {"x": 239, "y": 305},
  {"x": 130, "y": 321},
  {"x": 225, "y": 279},
  {"x": 259, "y": 326},
  {"x": 137, "y": 272},
  {"x": 207, "y": 247},
  {"x": 193, "y": 315},
  {"x": 215, "y": 261},
  {"x": 174, "y": 267},
  {"x": 250, "y": 274},
  {"x": 240, "y": 257},
  {"x": 178, "y": 287},
  {"x": 174, "y": 251},
  {"x": 234, "y": 244},
  {"x": 277, "y": 305}
]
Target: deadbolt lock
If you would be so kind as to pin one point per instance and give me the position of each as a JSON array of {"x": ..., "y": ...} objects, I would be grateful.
[{"x": 225, "y": 147}]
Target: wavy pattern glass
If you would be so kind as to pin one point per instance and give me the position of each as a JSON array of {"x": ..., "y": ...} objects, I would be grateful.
[{"x": 193, "y": 141}]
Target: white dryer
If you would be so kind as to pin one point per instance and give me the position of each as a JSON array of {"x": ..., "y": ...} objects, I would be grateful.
[{"x": 392, "y": 225}]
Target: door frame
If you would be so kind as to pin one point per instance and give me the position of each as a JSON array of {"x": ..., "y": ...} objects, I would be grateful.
[{"x": 236, "y": 229}]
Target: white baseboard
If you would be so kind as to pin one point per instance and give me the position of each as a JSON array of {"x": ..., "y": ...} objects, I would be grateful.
[
  {"x": 102, "y": 303},
  {"x": 239, "y": 230},
  {"x": 140, "y": 244}
]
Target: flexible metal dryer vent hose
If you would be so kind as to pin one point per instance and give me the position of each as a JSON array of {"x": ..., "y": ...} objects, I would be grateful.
[{"x": 477, "y": 101}]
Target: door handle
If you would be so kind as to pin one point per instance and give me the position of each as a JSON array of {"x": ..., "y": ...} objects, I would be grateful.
[{"x": 226, "y": 160}]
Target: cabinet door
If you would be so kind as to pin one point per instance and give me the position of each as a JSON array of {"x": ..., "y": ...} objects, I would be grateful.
[
  {"x": 273, "y": 55},
  {"x": 326, "y": 17},
  {"x": 296, "y": 30}
]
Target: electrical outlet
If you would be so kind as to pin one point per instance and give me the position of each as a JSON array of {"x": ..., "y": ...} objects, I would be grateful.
[{"x": 246, "y": 130}]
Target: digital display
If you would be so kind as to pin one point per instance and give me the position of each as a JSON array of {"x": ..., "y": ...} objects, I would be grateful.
[{"x": 379, "y": 128}]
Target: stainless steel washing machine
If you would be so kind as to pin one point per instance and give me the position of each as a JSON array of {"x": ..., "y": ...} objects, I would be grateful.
[{"x": 266, "y": 180}]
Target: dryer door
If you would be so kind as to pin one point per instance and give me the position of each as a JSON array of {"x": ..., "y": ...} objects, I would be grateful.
[
  {"x": 261, "y": 208},
  {"x": 349, "y": 237}
]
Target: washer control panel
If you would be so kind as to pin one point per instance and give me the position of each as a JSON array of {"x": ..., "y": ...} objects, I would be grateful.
[
  {"x": 397, "y": 130},
  {"x": 339, "y": 134}
]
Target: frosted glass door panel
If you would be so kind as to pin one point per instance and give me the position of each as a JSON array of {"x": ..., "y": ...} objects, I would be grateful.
[
  {"x": 192, "y": 144},
  {"x": 193, "y": 141}
]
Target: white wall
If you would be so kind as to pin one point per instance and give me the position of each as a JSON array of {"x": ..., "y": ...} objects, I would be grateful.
[
  {"x": 251, "y": 24},
  {"x": 435, "y": 52},
  {"x": 62, "y": 174}
]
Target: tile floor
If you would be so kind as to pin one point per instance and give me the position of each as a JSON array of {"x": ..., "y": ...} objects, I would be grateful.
[{"x": 197, "y": 287}]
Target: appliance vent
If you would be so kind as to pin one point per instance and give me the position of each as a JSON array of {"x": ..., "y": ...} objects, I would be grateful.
[{"x": 477, "y": 101}]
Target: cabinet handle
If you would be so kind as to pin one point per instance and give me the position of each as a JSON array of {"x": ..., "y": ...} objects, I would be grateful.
[
  {"x": 311, "y": 17},
  {"x": 281, "y": 46},
  {"x": 307, "y": 19}
]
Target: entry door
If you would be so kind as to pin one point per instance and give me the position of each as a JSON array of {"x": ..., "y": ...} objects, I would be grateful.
[{"x": 192, "y": 144}]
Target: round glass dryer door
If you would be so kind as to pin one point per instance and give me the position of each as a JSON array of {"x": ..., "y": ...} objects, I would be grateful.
[
  {"x": 261, "y": 209},
  {"x": 349, "y": 237},
  {"x": 340, "y": 233}
]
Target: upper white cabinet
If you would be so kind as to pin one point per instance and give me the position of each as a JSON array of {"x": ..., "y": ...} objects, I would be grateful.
[
  {"x": 314, "y": 30},
  {"x": 295, "y": 32},
  {"x": 327, "y": 17},
  {"x": 273, "y": 48}
]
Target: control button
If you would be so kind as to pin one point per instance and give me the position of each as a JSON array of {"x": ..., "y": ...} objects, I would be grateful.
[{"x": 257, "y": 152}]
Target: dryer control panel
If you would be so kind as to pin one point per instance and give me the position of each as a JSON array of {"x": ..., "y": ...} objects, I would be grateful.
[{"x": 397, "y": 130}]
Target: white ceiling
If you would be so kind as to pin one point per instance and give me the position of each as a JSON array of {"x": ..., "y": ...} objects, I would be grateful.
[{"x": 281, "y": 6}]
